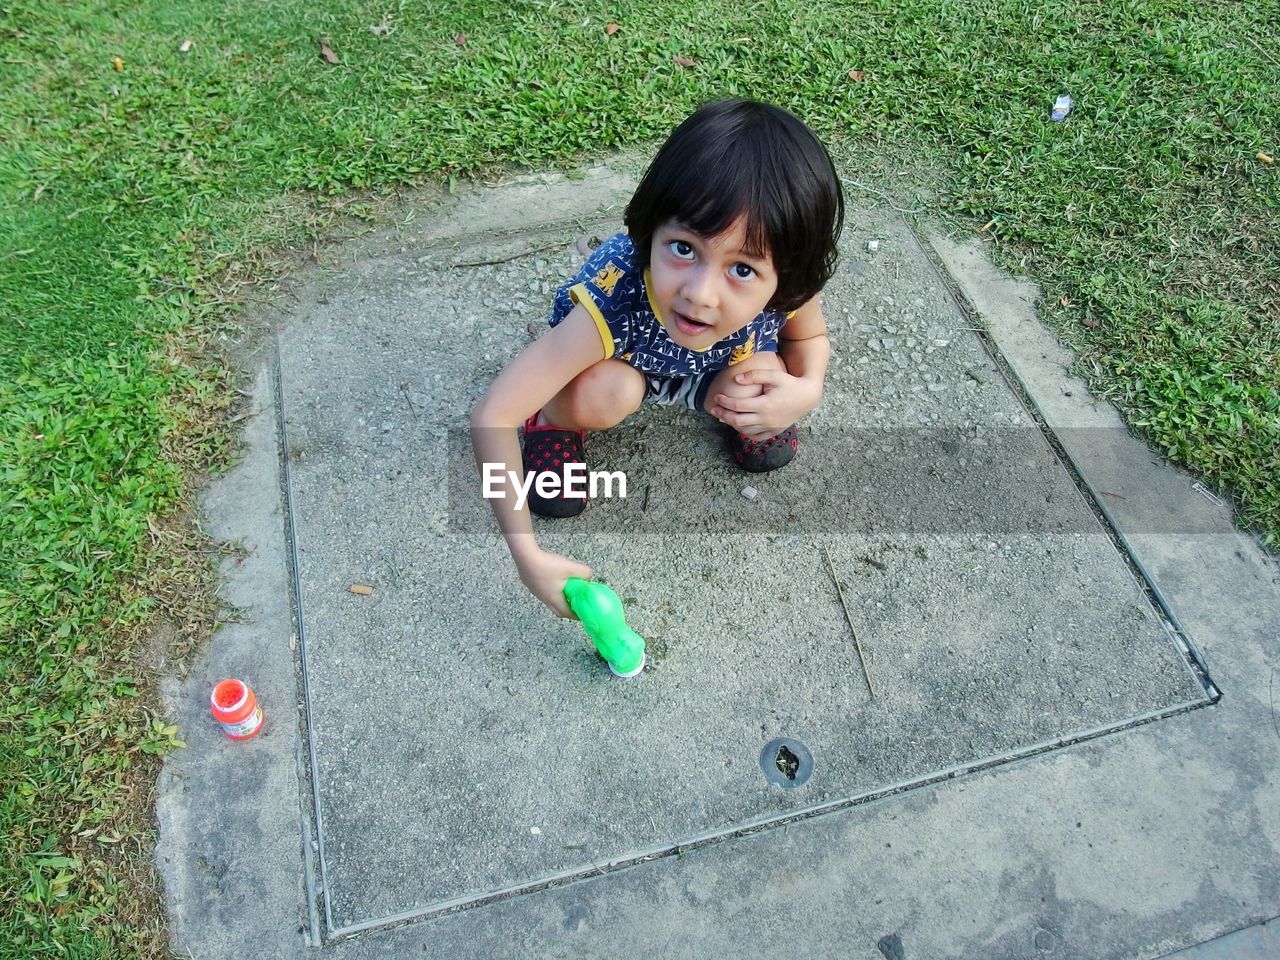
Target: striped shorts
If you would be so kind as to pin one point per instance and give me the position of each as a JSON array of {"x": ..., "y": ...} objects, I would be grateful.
[{"x": 688, "y": 392}]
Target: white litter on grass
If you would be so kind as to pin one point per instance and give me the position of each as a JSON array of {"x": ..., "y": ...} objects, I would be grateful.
[
  {"x": 750, "y": 492},
  {"x": 873, "y": 245}
]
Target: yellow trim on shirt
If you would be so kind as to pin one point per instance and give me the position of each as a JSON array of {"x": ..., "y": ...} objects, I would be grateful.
[
  {"x": 648, "y": 292},
  {"x": 578, "y": 294}
]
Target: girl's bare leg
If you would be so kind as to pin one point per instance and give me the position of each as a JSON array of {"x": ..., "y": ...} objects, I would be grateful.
[{"x": 601, "y": 396}]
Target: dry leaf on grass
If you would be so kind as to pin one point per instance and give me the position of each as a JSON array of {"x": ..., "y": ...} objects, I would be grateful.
[
  {"x": 857, "y": 76},
  {"x": 1266, "y": 158},
  {"x": 684, "y": 62},
  {"x": 460, "y": 39},
  {"x": 327, "y": 52},
  {"x": 118, "y": 64},
  {"x": 611, "y": 28}
]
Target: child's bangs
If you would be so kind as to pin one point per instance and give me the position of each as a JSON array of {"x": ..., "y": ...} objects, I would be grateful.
[
  {"x": 718, "y": 213},
  {"x": 717, "y": 198}
]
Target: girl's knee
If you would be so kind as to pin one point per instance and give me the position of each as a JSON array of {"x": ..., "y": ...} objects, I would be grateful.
[
  {"x": 604, "y": 394},
  {"x": 728, "y": 385}
]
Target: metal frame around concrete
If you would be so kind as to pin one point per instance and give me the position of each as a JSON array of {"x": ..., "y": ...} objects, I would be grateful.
[{"x": 314, "y": 840}]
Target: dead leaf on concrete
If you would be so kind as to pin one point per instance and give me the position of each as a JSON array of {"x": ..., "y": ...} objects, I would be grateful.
[
  {"x": 327, "y": 52},
  {"x": 587, "y": 242},
  {"x": 684, "y": 62}
]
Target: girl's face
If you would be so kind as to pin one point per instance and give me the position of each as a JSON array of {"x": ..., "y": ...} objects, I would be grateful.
[{"x": 706, "y": 288}]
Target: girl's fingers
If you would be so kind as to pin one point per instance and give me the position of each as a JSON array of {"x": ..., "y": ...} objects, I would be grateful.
[
  {"x": 741, "y": 404},
  {"x": 760, "y": 375},
  {"x": 732, "y": 403}
]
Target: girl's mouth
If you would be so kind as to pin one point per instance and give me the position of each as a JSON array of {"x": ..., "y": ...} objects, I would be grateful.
[{"x": 688, "y": 326}]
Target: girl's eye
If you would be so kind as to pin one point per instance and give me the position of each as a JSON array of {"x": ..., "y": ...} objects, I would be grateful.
[
  {"x": 681, "y": 249},
  {"x": 742, "y": 272}
]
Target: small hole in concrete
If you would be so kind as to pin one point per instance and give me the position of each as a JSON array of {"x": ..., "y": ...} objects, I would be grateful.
[{"x": 788, "y": 763}]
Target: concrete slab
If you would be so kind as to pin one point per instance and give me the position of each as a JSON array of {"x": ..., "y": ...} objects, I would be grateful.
[
  {"x": 999, "y": 619},
  {"x": 985, "y": 646}
]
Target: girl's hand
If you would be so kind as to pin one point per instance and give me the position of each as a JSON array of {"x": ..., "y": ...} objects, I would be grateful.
[
  {"x": 545, "y": 574},
  {"x": 784, "y": 401}
]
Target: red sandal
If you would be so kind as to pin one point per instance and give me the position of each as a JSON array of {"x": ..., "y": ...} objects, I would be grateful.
[
  {"x": 550, "y": 449},
  {"x": 761, "y": 456}
]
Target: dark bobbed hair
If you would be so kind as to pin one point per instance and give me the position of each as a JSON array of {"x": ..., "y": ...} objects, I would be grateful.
[{"x": 735, "y": 159}]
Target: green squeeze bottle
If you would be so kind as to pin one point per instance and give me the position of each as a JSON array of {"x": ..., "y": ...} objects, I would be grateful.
[{"x": 600, "y": 611}]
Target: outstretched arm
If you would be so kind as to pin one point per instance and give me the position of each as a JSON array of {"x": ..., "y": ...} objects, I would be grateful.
[{"x": 523, "y": 387}]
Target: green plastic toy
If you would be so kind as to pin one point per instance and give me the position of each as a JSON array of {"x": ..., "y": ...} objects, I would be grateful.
[{"x": 600, "y": 611}]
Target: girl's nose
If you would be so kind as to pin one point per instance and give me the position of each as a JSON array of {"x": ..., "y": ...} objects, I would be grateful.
[{"x": 699, "y": 288}]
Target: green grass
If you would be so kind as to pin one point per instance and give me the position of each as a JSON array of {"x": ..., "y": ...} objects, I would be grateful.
[{"x": 126, "y": 195}]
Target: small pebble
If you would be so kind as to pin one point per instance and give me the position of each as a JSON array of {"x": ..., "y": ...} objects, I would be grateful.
[{"x": 750, "y": 492}]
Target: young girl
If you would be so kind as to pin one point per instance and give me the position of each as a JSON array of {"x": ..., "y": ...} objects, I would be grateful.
[{"x": 709, "y": 300}]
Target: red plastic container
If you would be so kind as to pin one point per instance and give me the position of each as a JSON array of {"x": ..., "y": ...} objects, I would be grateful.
[{"x": 236, "y": 709}]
